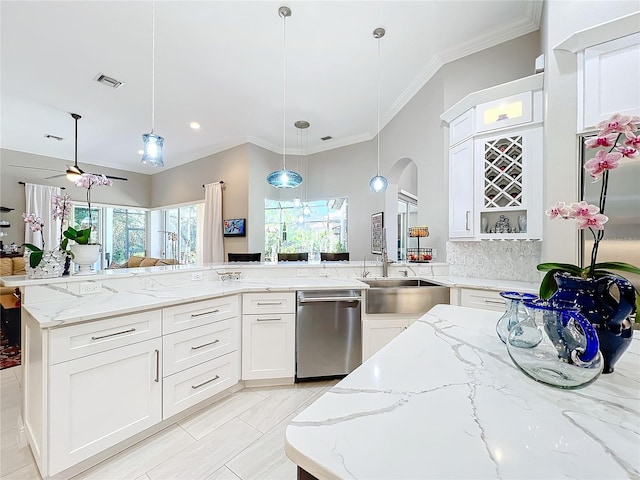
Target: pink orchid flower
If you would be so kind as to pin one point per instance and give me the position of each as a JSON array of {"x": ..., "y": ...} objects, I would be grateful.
[
  {"x": 596, "y": 221},
  {"x": 602, "y": 161},
  {"x": 627, "y": 152},
  {"x": 617, "y": 123},
  {"x": 558, "y": 210},
  {"x": 605, "y": 141},
  {"x": 583, "y": 209},
  {"x": 61, "y": 206},
  {"x": 632, "y": 140}
]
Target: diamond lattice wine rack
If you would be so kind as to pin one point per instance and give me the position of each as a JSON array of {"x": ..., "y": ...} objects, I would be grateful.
[{"x": 503, "y": 172}]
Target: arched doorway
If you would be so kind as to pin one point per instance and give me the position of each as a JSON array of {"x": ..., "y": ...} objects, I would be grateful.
[{"x": 403, "y": 183}]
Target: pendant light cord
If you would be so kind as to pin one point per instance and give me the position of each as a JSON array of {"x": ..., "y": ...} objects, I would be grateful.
[
  {"x": 284, "y": 92},
  {"x": 153, "y": 64},
  {"x": 378, "y": 111}
]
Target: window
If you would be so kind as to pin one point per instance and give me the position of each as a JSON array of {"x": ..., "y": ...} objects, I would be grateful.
[
  {"x": 314, "y": 226},
  {"x": 181, "y": 233},
  {"x": 120, "y": 230},
  {"x": 407, "y": 217}
]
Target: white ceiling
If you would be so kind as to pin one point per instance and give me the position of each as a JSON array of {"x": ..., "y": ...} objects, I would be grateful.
[{"x": 220, "y": 63}]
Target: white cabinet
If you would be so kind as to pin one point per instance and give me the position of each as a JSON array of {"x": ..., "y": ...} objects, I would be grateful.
[
  {"x": 268, "y": 335},
  {"x": 100, "y": 400},
  {"x": 377, "y": 333},
  {"x": 478, "y": 298},
  {"x": 461, "y": 183},
  {"x": 495, "y": 174}
]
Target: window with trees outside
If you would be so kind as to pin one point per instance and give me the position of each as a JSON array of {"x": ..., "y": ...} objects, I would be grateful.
[
  {"x": 181, "y": 235},
  {"x": 314, "y": 226}
]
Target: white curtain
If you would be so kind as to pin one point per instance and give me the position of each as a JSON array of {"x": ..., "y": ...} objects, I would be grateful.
[
  {"x": 39, "y": 201},
  {"x": 213, "y": 246}
]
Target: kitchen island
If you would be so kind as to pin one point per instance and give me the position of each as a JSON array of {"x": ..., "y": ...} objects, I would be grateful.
[{"x": 444, "y": 400}]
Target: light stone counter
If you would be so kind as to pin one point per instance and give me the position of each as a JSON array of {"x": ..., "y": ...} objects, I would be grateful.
[{"x": 443, "y": 400}]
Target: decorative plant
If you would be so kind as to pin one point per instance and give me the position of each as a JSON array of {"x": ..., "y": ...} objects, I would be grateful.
[
  {"x": 61, "y": 210},
  {"x": 612, "y": 132},
  {"x": 36, "y": 224},
  {"x": 88, "y": 181}
]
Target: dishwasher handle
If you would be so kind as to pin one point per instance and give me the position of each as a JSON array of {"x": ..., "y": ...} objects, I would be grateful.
[{"x": 329, "y": 299}]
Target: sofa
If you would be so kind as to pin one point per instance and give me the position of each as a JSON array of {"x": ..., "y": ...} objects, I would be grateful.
[
  {"x": 134, "y": 262},
  {"x": 11, "y": 266}
]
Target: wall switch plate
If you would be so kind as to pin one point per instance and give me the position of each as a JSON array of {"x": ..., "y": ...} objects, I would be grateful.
[
  {"x": 302, "y": 272},
  {"x": 90, "y": 287},
  {"x": 197, "y": 276},
  {"x": 323, "y": 273}
]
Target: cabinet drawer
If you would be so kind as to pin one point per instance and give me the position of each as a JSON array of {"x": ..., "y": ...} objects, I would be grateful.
[
  {"x": 191, "y": 347},
  {"x": 186, "y": 388},
  {"x": 195, "y": 314},
  {"x": 257, "y": 303},
  {"x": 77, "y": 341},
  {"x": 484, "y": 299}
]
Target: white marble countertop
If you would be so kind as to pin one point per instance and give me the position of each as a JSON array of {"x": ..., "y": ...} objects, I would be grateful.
[
  {"x": 485, "y": 284},
  {"x": 444, "y": 400},
  {"x": 81, "y": 308}
]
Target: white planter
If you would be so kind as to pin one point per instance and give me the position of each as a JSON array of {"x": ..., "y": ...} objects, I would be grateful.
[
  {"x": 51, "y": 265},
  {"x": 85, "y": 256}
]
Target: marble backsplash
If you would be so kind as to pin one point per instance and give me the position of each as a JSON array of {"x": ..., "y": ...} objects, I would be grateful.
[{"x": 499, "y": 260}]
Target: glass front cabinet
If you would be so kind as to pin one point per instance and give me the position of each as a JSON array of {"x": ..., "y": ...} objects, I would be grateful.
[{"x": 496, "y": 192}]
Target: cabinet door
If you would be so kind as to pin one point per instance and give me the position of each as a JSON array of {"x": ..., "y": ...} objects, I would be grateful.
[
  {"x": 102, "y": 399},
  {"x": 268, "y": 346},
  {"x": 484, "y": 299},
  {"x": 377, "y": 333},
  {"x": 461, "y": 190}
]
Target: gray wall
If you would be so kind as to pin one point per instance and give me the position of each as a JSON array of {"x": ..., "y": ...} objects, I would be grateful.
[{"x": 134, "y": 193}]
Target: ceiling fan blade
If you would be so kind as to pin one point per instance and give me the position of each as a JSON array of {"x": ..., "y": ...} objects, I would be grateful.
[
  {"x": 35, "y": 168},
  {"x": 112, "y": 177}
]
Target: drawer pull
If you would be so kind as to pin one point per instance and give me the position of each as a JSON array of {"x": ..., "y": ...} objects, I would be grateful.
[
  {"x": 269, "y": 319},
  {"x": 269, "y": 303},
  {"x": 114, "y": 334},
  {"x": 495, "y": 302},
  {"x": 157, "y": 379},
  {"x": 205, "y": 344},
  {"x": 466, "y": 219},
  {"x": 205, "y": 382},
  {"x": 196, "y": 315}
]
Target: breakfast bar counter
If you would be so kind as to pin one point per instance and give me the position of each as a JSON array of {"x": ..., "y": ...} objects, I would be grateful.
[{"x": 444, "y": 400}]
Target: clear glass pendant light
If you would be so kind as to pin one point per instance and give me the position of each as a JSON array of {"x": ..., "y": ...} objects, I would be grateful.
[
  {"x": 284, "y": 178},
  {"x": 378, "y": 183},
  {"x": 152, "y": 144}
]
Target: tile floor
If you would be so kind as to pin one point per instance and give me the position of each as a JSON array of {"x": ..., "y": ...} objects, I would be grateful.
[{"x": 238, "y": 437}]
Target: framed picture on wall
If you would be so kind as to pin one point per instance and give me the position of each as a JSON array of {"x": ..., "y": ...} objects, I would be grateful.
[
  {"x": 377, "y": 222},
  {"x": 235, "y": 227}
]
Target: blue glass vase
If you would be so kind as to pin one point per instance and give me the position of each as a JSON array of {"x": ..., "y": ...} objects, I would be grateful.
[{"x": 609, "y": 316}]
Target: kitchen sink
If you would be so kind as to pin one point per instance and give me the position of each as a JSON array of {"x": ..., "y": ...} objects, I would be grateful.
[{"x": 402, "y": 295}]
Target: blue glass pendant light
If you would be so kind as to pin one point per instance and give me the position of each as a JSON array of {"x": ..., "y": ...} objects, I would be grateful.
[
  {"x": 284, "y": 178},
  {"x": 152, "y": 143},
  {"x": 378, "y": 183}
]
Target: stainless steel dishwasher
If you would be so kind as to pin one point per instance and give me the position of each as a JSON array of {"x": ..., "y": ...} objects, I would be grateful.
[{"x": 328, "y": 333}]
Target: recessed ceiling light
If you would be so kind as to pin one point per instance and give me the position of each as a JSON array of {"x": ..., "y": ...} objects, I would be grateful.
[
  {"x": 195, "y": 125},
  {"x": 140, "y": 152}
]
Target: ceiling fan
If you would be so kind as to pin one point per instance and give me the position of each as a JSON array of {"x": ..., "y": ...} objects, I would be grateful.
[{"x": 73, "y": 172}]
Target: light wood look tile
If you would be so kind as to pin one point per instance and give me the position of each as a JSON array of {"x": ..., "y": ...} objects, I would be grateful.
[
  {"x": 208, "y": 454},
  {"x": 223, "y": 474},
  {"x": 30, "y": 472},
  {"x": 280, "y": 403},
  {"x": 265, "y": 458},
  {"x": 208, "y": 419}
]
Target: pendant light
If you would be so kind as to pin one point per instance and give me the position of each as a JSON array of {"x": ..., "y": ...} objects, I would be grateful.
[
  {"x": 152, "y": 143},
  {"x": 378, "y": 183},
  {"x": 284, "y": 178},
  {"x": 74, "y": 172}
]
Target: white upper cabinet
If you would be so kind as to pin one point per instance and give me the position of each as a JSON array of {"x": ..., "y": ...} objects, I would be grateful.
[
  {"x": 461, "y": 183},
  {"x": 608, "y": 81}
]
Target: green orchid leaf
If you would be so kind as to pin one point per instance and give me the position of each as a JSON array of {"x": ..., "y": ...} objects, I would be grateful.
[
  {"x": 83, "y": 236},
  {"x": 619, "y": 266},
  {"x": 70, "y": 233},
  {"x": 35, "y": 258},
  {"x": 32, "y": 247},
  {"x": 561, "y": 267},
  {"x": 64, "y": 243},
  {"x": 548, "y": 285}
]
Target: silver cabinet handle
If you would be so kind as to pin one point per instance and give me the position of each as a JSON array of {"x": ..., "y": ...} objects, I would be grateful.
[
  {"x": 205, "y": 382},
  {"x": 157, "y": 379},
  {"x": 114, "y": 334},
  {"x": 466, "y": 219},
  {"x": 205, "y": 344},
  {"x": 494, "y": 302},
  {"x": 269, "y": 303},
  {"x": 270, "y": 319},
  {"x": 195, "y": 315},
  {"x": 330, "y": 299}
]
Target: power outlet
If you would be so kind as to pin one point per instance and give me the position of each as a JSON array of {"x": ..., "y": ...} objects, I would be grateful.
[
  {"x": 434, "y": 253},
  {"x": 302, "y": 272},
  {"x": 197, "y": 276},
  {"x": 90, "y": 287}
]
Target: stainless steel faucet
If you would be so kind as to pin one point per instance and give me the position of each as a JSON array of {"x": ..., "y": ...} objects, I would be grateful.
[
  {"x": 365, "y": 272},
  {"x": 385, "y": 258}
]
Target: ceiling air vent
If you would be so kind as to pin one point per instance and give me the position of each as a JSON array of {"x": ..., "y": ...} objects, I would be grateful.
[
  {"x": 53, "y": 137},
  {"x": 108, "y": 81},
  {"x": 326, "y": 138}
]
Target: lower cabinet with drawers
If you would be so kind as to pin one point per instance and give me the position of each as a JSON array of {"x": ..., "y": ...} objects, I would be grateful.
[{"x": 90, "y": 386}]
